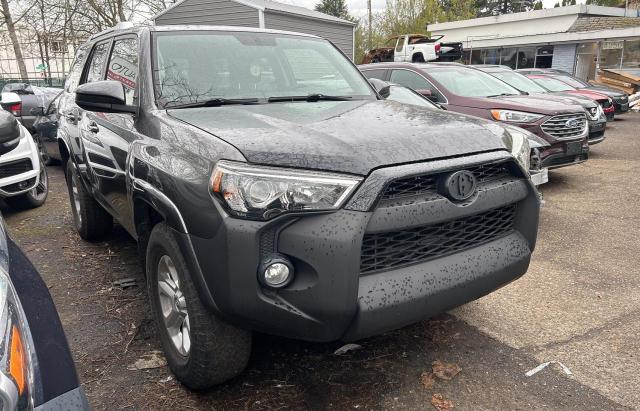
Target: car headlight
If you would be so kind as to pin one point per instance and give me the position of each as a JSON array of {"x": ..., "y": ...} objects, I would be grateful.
[
  {"x": 16, "y": 372},
  {"x": 517, "y": 142},
  {"x": 594, "y": 112},
  {"x": 511, "y": 116},
  {"x": 262, "y": 193}
]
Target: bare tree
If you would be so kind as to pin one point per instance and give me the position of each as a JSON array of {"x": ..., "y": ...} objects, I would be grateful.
[{"x": 11, "y": 28}]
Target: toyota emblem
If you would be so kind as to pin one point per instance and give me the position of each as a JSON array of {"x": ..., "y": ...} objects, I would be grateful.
[{"x": 460, "y": 186}]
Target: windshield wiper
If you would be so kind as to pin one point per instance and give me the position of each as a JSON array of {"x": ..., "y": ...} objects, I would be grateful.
[
  {"x": 312, "y": 98},
  {"x": 217, "y": 102},
  {"x": 503, "y": 94}
]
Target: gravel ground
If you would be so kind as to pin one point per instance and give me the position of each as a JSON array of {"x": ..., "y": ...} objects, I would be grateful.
[{"x": 578, "y": 304}]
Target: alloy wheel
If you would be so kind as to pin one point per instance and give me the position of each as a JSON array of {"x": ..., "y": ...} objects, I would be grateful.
[
  {"x": 40, "y": 190},
  {"x": 173, "y": 306},
  {"x": 76, "y": 198}
]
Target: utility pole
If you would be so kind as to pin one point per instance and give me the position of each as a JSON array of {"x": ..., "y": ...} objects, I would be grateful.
[{"x": 370, "y": 18}]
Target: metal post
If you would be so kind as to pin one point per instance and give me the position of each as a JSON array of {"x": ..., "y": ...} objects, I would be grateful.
[{"x": 370, "y": 18}]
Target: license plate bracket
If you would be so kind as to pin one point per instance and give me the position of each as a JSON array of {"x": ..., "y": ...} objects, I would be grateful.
[{"x": 574, "y": 148}]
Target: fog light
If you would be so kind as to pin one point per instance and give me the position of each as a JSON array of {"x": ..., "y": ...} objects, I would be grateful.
[{"x": 276, "y": 272}]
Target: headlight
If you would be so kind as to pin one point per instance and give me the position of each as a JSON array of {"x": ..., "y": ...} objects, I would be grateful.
[
  {"x": 264, "y": 192},
  {"x": 515, "y": 116},
  {"x": 16, "y": 373},
  {"x": 594, "y": 112},
  {"x": 517, "y": 141}
]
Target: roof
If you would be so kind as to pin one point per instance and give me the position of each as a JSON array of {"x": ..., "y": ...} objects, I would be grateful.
[
  {"x": 593, "y": 23},
  {"x": 580, "y": 9},
  {"x": 275, "y": 7}
]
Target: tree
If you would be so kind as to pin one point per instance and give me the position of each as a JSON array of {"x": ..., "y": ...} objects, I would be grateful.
[
  {"x": 11, "y": 28},
  {"x": 537, "y": 5},
  {"x": 336, "y": 8}
]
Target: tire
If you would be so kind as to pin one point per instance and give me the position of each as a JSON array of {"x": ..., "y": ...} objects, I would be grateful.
[
  {"x": 214, "y": 351},
  {"x": 35, "y": 197},
  {"x": 91, "y": 221},
  {"x": 417, "y": 58}
]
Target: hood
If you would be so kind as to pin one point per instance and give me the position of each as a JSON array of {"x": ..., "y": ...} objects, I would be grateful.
[
  {"x": 567, "y": 99},
  {"x": 344, "y": 136},
  {"x": 606, "y": 91},
  {"x": 531, "y": 104},
  {"x": 592, "y": 94}
]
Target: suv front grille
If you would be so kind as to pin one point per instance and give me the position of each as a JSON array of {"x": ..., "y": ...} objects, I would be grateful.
[
  {"x": 394, "y": 249},
  {"x": 558, "y": 127},
  {"x": 15, "y": 167},
  {"x": 427, "y": 184}
]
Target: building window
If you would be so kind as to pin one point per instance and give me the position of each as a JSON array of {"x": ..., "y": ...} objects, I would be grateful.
[
  {"x": 610, "y": 54},
  {"x": 526, "y": 57},
  {"x": 508, "y": 57},
  {"x": 56, "y": 46},
  {"x": 477, "y": 57},
  {"x": 492, "y": 56},
  {"x": 631, "y": 55},
  {"x": 544, "y": 57}
]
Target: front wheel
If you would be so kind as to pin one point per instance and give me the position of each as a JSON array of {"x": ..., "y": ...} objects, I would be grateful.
[
  {"x": 90, "y": 220},
  {"x": 201, "y": 350},
  {"x": 36, "y": 196}
]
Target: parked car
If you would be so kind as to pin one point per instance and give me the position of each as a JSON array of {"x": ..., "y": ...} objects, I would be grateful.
[
  {"x": 554, "y": 85},
  {"x": 36, "y": 367},
  {"x": 31, "y": 98},
  {"x": 271, "y": 189},
  {"x": 23, "y": 178},
  {"x": 595, "y": 114},
  {"x": 414, "y": 48},
  {"x": 620, "y": 98},
  {"x": 46, "y": 131},
  {"x": 405, "y": 95},
  {"x": 466, "y": 90}
]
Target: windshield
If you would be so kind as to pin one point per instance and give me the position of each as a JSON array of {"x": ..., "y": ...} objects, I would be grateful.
[
  {"x": 192, "y": 67},
  {"x": 552, "y": 84},
  {"x": 519, "y": 81},
  {"x": 468, "y": 82}
]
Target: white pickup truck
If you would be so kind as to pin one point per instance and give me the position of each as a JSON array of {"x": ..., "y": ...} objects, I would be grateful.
[{"x": 414, "y": 48}]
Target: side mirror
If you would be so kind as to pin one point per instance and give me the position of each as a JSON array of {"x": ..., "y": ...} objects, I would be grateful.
[
  {"x": 105, "y": 96},
  {"x": 428, "y": 94},
  {"x": 9, "y": 132},
  {"x": 37, "y": 111},
  {"x": 10, "y": 99}
]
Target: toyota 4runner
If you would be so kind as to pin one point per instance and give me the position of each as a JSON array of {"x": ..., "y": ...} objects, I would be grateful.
[{"x": 271, "y": 189}]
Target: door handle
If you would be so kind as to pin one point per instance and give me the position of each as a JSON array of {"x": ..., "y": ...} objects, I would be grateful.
[{"x": 93, "y": 127}]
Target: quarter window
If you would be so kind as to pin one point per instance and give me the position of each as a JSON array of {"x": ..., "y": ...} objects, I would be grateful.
[
  {"x": 98, "y": 58},
  {"x": 76, "y": 70},
  {"x": 123, "y": 65}
]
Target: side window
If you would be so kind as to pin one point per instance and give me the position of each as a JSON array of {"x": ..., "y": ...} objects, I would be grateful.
[
  {"x": 123, "y": 65},
  {"x": 379, "y": 74},
  {"x": 409, "y": 79},
  {"x": 400, "y": 44},
  {"x": 96, "y": 66},
  {"x": 76, "y": 70}
]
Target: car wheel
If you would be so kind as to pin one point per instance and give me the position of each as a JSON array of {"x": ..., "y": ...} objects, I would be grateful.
[
  {"x": 90, "y": 220},
  {"x": 34, "y": 197},
  {"x": 201, "y": 350}
]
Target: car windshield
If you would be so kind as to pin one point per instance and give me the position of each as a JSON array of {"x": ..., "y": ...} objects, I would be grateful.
[
  {"x": 572, "y": 81},
  {"x": 552, "y": 84},
  {"x": 517, "y": 80},
  {"x": 469, "y": 82},
  {"x": 196, "y": 66}
]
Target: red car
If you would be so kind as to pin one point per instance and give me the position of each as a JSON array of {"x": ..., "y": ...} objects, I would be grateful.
[{"x": 555, "y": 85}]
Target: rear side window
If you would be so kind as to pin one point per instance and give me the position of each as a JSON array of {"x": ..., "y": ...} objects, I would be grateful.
[
  {"x": 76, "y": 70},
  {"x": 379, "y": 74},
  {"x": 98, "y": 59},
  {"x": 409, "y": 79},
  {"x": 123, "y": 65}
]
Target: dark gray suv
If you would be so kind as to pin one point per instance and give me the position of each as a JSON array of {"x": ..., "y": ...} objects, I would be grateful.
[{"x": 271, "y": 189}]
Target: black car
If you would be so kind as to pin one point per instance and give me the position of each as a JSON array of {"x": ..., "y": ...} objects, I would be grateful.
[
  {"x": 620, "y": 98},
  {"x": 46, "y": 130},
  {"x": 36, "y": 367},
  {"x": 271, "y": 189},
  {"x": 595, "y": 114}
]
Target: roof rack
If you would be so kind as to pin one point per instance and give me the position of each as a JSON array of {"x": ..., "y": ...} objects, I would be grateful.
[{"x": 123, "y": 25}]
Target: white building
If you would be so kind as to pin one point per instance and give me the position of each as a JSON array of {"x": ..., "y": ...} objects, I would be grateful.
[{"x": 579, "y": 39}]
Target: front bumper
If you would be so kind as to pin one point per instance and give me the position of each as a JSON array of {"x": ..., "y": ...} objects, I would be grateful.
[
  {"x": 621, "y": 107},
  {"x": 596, "y": 131},
  {"x": 330, "y": 299},
  {"x": 12, "y": 184}
]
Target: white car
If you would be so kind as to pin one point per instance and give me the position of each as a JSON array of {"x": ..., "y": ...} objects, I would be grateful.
[{"x": 23, "y": 179}]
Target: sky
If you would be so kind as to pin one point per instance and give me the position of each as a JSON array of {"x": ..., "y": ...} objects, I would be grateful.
[{"x": 359, "y": 7}]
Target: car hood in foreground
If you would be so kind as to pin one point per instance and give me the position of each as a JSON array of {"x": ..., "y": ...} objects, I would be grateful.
[{"x": 344, "y": 136}]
